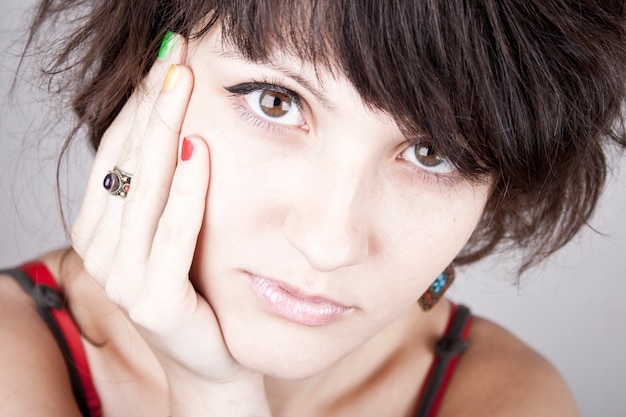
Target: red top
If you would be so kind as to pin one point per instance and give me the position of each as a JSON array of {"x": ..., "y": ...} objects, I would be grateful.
[
  {"x": 447, "y": 354},
  {"x": 448, "y": 348},
  {"x": 78, "y": 361}
]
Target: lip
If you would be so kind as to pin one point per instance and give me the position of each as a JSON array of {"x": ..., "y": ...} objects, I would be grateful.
[{"x": 291, "y": 304}]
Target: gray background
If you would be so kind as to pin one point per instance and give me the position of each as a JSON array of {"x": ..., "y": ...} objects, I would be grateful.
[{"x": 572, "y": 309}]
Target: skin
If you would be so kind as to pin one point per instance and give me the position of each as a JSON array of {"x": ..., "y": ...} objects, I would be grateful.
[
  {"x": 350, "y": 219},
  {"x": 332, "y": 204}
]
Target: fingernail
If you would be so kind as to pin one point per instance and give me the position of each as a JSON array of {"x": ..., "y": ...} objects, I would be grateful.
[
  {"x": 167, "y": 46},
  {"x": 187, "y": 150},
  {"x": 173, "y": 74}
]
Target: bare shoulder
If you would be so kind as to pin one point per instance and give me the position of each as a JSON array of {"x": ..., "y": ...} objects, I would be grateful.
[
  {"x": 33, "y": 377},
  {"x": 499, "y": 375}
]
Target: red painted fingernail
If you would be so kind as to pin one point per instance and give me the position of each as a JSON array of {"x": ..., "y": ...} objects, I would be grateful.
[{"x": 187, "y": 150}]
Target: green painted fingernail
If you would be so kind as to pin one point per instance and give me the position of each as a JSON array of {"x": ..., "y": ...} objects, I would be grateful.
[{"x": 167, "y": 45}]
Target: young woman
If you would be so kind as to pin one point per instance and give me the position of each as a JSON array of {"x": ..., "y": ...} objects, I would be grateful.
[{"x": 281, "y": 190}]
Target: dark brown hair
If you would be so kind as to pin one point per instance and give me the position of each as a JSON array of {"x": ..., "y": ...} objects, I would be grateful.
[{"x": 528, "y": 92}]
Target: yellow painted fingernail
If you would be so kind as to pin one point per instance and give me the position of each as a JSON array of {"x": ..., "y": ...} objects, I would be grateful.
[{"x": 173, "y": 74}]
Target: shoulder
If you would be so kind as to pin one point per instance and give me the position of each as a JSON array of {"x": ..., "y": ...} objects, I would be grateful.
[
  {"x": 499, "y": 375},
  {"x": 33, "y": 377}
]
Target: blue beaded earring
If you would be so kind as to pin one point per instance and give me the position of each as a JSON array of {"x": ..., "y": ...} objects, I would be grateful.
[{"x": 437, "y": 289}]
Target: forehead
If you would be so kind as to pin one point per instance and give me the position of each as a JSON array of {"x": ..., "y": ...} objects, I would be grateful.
[
  {"x": 329, "y": 89},
  {"x": 387, "y": 50},
  {"x": 334, "y": 37},
  {"x": 314, "y": 79},
  {"x": 405, "y": 58}
]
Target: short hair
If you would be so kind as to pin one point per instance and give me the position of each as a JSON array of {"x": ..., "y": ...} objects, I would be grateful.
[{"x": 527, "y": 92}]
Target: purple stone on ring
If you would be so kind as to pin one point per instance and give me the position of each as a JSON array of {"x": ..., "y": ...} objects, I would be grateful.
[
  {"x": 112, "y": 182},
  {"x": 108, "y": 182}
]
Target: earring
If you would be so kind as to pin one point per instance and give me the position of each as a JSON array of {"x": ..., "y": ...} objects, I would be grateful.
[{"x": 437, "y": 289}]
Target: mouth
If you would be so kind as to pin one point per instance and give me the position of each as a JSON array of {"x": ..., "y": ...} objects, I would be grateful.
[{"x": 289, "y": 303}]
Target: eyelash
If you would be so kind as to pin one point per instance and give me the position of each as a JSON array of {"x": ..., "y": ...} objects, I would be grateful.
[
  {"x": 432, "y": 177},
  {"x": 241, "y": 90},
  {"x": 435, "y": 178}
]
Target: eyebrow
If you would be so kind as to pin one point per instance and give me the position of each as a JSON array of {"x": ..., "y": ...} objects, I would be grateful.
[{"x": 287, "y": 72}]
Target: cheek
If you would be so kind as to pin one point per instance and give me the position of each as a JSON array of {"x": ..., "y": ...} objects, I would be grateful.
[
  {"x": 418, "y": 241},
  {"x": 254, "y": 184},
  {"x": 426, "y": 224},
  {"x": 242, "y": 205}
]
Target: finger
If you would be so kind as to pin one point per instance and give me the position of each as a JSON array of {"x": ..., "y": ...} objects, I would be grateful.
[
  {"x": 122, "y": 137},
  {"x": 167, "y": 280},
  {"x": 136, "y": 113},
  {"x": 151, "y": 185},
  {"x": 130, "y": 122},
  {"x": 156, "y": 163},
  {"x": 100, "y": 215}
]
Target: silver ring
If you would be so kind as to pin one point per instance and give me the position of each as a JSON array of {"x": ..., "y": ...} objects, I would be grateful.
[{"x": 117, "y": 182}]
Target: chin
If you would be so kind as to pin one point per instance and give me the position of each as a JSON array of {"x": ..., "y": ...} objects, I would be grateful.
[
  {"x": 283, "y": 350},
  {"x": 277, "y": 363}
]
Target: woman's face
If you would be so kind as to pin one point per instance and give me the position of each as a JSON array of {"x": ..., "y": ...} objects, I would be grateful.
[{"x": 323, "y": 224}]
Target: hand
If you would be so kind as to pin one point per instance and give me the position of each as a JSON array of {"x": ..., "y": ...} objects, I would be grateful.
[{"x": 140, "y": 248}]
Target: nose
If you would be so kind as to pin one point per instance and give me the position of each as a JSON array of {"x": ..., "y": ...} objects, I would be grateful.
[{"x": 327, "y": 223}]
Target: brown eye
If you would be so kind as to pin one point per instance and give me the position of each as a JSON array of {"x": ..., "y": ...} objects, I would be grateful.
[
  {"x": 427, "y": 155},
  {"x": 274, "y": 103}
]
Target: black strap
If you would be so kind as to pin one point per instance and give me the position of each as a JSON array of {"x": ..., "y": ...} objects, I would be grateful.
[
  {"x": 46, "y": 299},
  {"x": 446, "y": 349}
]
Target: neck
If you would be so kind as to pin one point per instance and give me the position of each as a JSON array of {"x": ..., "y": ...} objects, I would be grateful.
[
  {"x": 401, "y": 353},
  {"x": 366, "y": 379}
]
